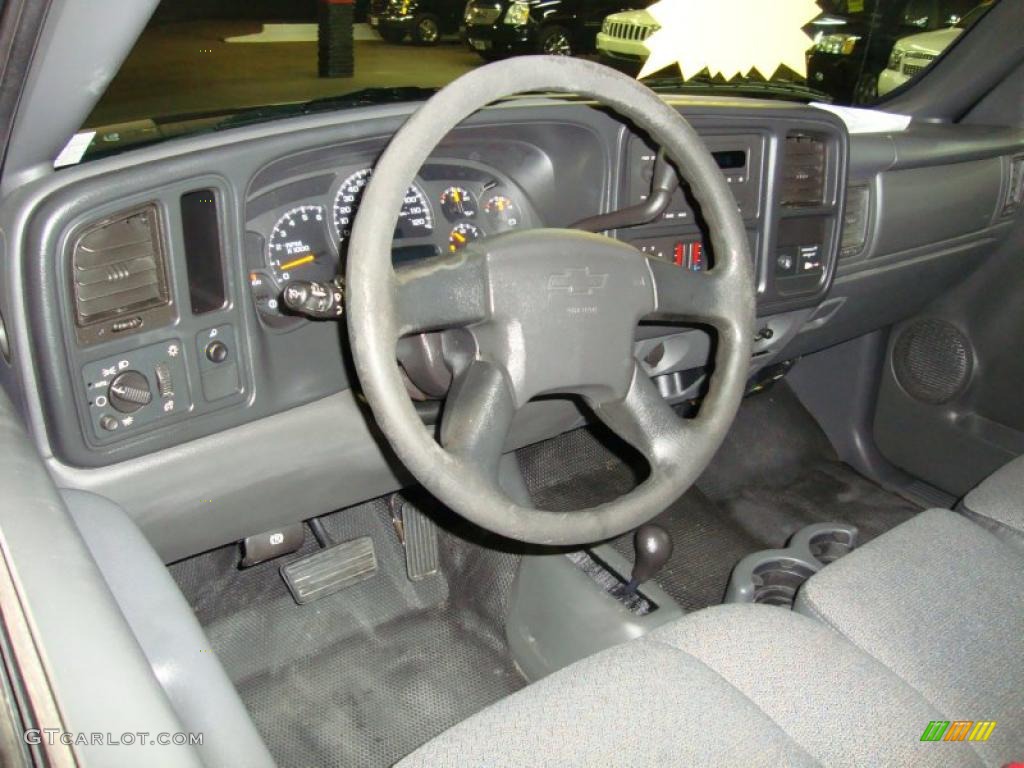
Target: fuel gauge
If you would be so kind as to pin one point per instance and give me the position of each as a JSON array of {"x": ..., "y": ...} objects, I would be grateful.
[{"x": 502, "y": 211}]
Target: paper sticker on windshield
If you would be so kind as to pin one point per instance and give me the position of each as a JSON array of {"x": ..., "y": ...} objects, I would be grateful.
[
  {"x": 75, "y": 149},
  {"x": 730, "y": 37}
]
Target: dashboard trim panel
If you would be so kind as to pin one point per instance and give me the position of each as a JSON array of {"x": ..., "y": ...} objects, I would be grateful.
[{"x": 188, "y": 502}]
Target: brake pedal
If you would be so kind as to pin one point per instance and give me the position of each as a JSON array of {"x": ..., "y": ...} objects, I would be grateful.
[{"x": 330, "y": 570}]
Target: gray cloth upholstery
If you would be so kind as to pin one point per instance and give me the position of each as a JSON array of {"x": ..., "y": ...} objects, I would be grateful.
[
  {"x": 838, "y": 704},
  {"x": 940, "y": 602},
  {"x": 731, "y": 685},
  {"x": 998, "y": 503},
  {"x": 645, "y": 703},
  {"x": 922, "y": 624}
]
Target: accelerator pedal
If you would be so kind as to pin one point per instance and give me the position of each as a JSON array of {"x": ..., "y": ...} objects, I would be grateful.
[{"x": 330, "y": 570}]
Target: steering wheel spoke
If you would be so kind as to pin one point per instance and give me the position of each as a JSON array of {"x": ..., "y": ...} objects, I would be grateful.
[
  {"x": 477, "y": 417},
  {"x": 447, "y": 292},
  {"x": 681, "y": 294},
  {"x": 646, "y": 421}
]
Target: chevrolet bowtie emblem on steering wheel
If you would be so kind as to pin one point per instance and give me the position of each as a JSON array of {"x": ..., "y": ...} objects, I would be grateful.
[{"x": 578, "y": 281}]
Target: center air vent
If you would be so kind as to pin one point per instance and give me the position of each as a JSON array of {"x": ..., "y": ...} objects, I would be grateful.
[
  {"x": 120, "y": 276},
  {"x": 803, "y": 171}
]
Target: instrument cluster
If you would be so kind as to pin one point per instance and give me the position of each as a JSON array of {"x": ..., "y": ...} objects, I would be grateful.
[{"x": 446, "y": 208}]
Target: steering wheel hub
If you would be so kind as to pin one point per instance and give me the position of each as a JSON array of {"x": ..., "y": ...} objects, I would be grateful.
[{"x": 564, "y": 308}]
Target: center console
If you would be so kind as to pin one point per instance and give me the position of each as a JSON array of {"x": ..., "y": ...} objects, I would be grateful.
[{"x": 786, "y": 177}]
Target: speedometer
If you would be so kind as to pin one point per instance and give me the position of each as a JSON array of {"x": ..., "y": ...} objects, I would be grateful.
[{"x": 415, "y": 219}]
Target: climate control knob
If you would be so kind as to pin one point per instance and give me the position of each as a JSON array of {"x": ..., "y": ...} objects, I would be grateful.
[{"x": 129, "y": 391}]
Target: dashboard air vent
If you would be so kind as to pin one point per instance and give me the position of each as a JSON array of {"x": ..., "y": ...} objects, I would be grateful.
[
  {"x": 803, "y": 171},
  {"x": 855, "y": 221},
  {"x": 119, "y": 274},
  {"x": 1015, "y": 188}
]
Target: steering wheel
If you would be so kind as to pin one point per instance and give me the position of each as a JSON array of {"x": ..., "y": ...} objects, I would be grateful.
[{"x": 546, "y": 311}]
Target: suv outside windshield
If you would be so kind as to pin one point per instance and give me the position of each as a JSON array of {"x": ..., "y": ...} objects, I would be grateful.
[{"x": 206, "y": 64}]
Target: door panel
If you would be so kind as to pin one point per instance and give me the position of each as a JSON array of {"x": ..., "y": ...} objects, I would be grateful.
[{"x": 950, "y": 409}]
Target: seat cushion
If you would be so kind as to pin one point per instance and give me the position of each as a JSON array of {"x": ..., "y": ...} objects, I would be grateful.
[
  {"x": 998, "y": 503},
  {"x": 838, "y": 704},
  {"x": 640, "y": 704},
  {"x": 732, "y": 685},
  {"x": 922, "y": 624},
  {"x": 940, "y": 602}
]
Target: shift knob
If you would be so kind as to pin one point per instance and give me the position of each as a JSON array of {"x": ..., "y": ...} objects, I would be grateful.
[{"x": 653, "y": 545}]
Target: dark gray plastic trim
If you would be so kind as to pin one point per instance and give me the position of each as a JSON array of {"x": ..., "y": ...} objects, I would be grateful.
[
  {"x": 746, "y": 577},
  {"x": 81, "y": 48},
  {"x": 557, "y": 614},
  {"x": 969, "y": 69},
  {"x": 222, "y": 488}
]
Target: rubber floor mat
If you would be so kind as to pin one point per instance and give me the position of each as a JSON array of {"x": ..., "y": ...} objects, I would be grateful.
[
  {"x": 775, "y": 473},
  {"x": 364, "y": 676}
]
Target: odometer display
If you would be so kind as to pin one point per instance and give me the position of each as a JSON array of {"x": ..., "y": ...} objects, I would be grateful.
[{"x": 414, "y": 220}]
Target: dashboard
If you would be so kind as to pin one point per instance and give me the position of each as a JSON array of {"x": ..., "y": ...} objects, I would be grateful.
[
  {"x": 173, "y": 337},
  {"x": 142, "y": 293}
]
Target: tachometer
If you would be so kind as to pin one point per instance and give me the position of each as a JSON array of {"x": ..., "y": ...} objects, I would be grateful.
[
  {"x": 415, "y": 219},
  {"x": 299, "y": 246}
]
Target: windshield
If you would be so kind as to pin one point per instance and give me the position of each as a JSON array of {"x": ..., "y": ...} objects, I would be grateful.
[{"x": 207, "y": 64}]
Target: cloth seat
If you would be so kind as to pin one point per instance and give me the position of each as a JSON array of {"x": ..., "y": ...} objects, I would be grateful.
[
  {"x": 836, "y": 684},
  {"x": 998, "y": 503},
  {"x": 940, "y": 602}
]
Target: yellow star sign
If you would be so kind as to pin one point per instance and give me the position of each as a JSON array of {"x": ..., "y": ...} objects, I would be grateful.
[{"x": 730, "y": 37}]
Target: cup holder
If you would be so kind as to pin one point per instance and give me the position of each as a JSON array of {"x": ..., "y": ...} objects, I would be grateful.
[
  {"x": 829, "y": 546},
  {"x": 772, "y": 577},
  {"x": 776, "y": 581}
]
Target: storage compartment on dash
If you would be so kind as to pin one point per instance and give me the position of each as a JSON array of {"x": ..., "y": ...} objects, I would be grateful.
[{"x": 204, "y": 262}]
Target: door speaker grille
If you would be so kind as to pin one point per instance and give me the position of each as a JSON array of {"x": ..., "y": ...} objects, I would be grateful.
[{"x": 932, "y": 361}]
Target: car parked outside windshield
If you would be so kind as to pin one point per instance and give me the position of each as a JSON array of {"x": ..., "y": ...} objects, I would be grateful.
[{"x": 209, "y": 64}]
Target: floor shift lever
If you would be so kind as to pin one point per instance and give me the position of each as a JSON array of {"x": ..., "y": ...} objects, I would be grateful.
[{"x": 653, "y": 548}]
